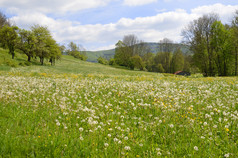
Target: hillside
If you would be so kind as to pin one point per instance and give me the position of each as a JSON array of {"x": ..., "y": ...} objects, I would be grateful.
[
  {"x": 66, "y": 65},
  {"x": 154, "y": 47}
]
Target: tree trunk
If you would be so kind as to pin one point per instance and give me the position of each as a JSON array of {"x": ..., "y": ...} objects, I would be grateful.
[
  {"x": 13, "y": 55},
  {"x": 29, "y": 58}
]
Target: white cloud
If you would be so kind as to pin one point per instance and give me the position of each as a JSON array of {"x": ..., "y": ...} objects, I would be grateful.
[
  {"x": 224, "y": 11},
  {"x": 102, "y": 36},
  {"x": 138, "y": 2},
  {"x": 52, "y": 6}
]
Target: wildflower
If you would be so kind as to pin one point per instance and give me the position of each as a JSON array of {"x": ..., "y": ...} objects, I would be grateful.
[
  {"x": 106, "y": 144},
  {"x": 127, "y": 148},
  {"x": 159, "y": 153},
  {"x": 227, "y": 155},
  {"x": 115, "y": 140},
  {"x": 205, "y": 123},
  {"x": 196, "y": 148},
  {"x": 227, "y": 129},
  {"x": 171, "y": 126},
  {"x": 81, "y": 129}
]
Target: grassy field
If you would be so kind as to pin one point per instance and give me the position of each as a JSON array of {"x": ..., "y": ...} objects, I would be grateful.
[{"x": 81, "y": 109}]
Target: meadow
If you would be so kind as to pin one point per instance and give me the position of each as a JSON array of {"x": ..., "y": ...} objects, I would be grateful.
[{"x": 81, "y": 109}]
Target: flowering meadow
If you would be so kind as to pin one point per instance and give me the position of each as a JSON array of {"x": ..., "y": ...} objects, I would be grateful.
[{"x": 75, "y": 115}]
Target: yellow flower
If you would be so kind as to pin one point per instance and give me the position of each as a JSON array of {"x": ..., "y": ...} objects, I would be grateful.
[
  {"x": 137, "y": 155},
  {"x": 227, "y": 129},
  {"x": 38, "y": 136}
]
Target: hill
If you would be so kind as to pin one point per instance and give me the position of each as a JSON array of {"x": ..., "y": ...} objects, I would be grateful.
[
  {"x": 66, "y": 65},
  {"x": 154, "y": 47}
]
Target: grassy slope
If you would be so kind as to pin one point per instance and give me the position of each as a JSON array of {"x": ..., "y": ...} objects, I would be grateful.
[{"x": 67, "y": 64}]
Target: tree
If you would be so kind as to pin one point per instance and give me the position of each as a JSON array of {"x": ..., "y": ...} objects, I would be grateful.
[
  {"x": 26, "y": 43},
  {"x": 164, "y": 58},
  {"x": 9, "y": 38},
  {"x": 234, "y": 36},
  {"x": 198, "y": 35},
  {"x": 221, "y": 44},
  {"x": 177, "y": 61},
  {"x": 3, "y": 20},
  {"x": 102, "y": 60},
  {"x": 166, "y": 45},
  {"x": 45, "y": 46},
  {"x": 74, "y": 51},
  {"x": 121, "y": 54},
  {"x": 136, "y": 62}
]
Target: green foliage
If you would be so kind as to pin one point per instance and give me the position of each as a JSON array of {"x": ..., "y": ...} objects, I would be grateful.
[
  {"x": 177, "y": 61},
  {"x": 8, "y": 38},
  {"x": 136, "y": 62},
  {"x": 112, "y": 61},
  {"x": 78, "y": 55},
  {"x": 103, "y": 61}
]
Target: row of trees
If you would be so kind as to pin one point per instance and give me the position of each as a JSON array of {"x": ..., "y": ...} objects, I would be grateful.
[
  {"x": 215, "y": 45},
  {"x": 134, "y": 53},
  {"x": 37, "y": 42}
]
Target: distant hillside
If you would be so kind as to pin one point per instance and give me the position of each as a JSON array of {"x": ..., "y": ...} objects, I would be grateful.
[{"x": 154, "y": 47}]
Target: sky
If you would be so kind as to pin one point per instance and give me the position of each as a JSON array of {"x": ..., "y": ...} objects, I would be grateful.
[{"x": 100, "y": 24}]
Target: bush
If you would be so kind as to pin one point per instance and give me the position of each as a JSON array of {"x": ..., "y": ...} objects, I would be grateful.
[
  {"x": 102, "y": 60},
  {"x": 112, "y": 61},
  {"x": 11, "y": 63}
]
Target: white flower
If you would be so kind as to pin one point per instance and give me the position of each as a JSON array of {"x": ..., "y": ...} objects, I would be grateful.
[
  {"x": 115, "y": 140},
  {"x": 141, "y": 144},
  {"x": 159, "y": 153},
  {"x": 126, "y": 138},
  {"x": 81, "y": 138},
  {"x": 127, "y": 148},
  {"x": 106, "y": 144},
  {"x": 195, "y": 148},
  {"x": 81, "y": 129},
  {"x": 205, "y": 123},
  {"x": 227, "y": 155},
  {"x": 171, "y": 126},
  {"x": 109, "y": 135}
]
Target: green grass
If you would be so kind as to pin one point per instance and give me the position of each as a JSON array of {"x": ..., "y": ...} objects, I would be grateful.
[{"x": 81, "y": 109}]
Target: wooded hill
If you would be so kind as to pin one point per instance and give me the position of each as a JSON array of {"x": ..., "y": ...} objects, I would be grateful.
[{"x": 152, "y": 46}]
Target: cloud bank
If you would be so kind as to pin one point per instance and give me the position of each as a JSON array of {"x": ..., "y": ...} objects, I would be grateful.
[{"x": 101, "y": 36}]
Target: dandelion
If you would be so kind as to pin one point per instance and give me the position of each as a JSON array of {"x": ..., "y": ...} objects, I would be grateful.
[
  {"x": 171, "y": 126},
  {"x": 127, "y": 148},
  {"x": 195, "y": 148},
  {"x": 227, "y": 155},
  {"x": 81, "y": 129},
  {"x": 106, "y": 144},
  {"x": 159, "y": 153}
]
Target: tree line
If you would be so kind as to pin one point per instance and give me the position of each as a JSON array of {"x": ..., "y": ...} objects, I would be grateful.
[
  {"x": 136, "y": 54},
  {"x": 214, "y": 45},
  {"x": 36, "y": 42},
  {"x": 213, "y": 50}
]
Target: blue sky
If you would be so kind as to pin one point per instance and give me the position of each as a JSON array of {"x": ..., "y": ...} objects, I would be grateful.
[{"x": 99, "y": 24}]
